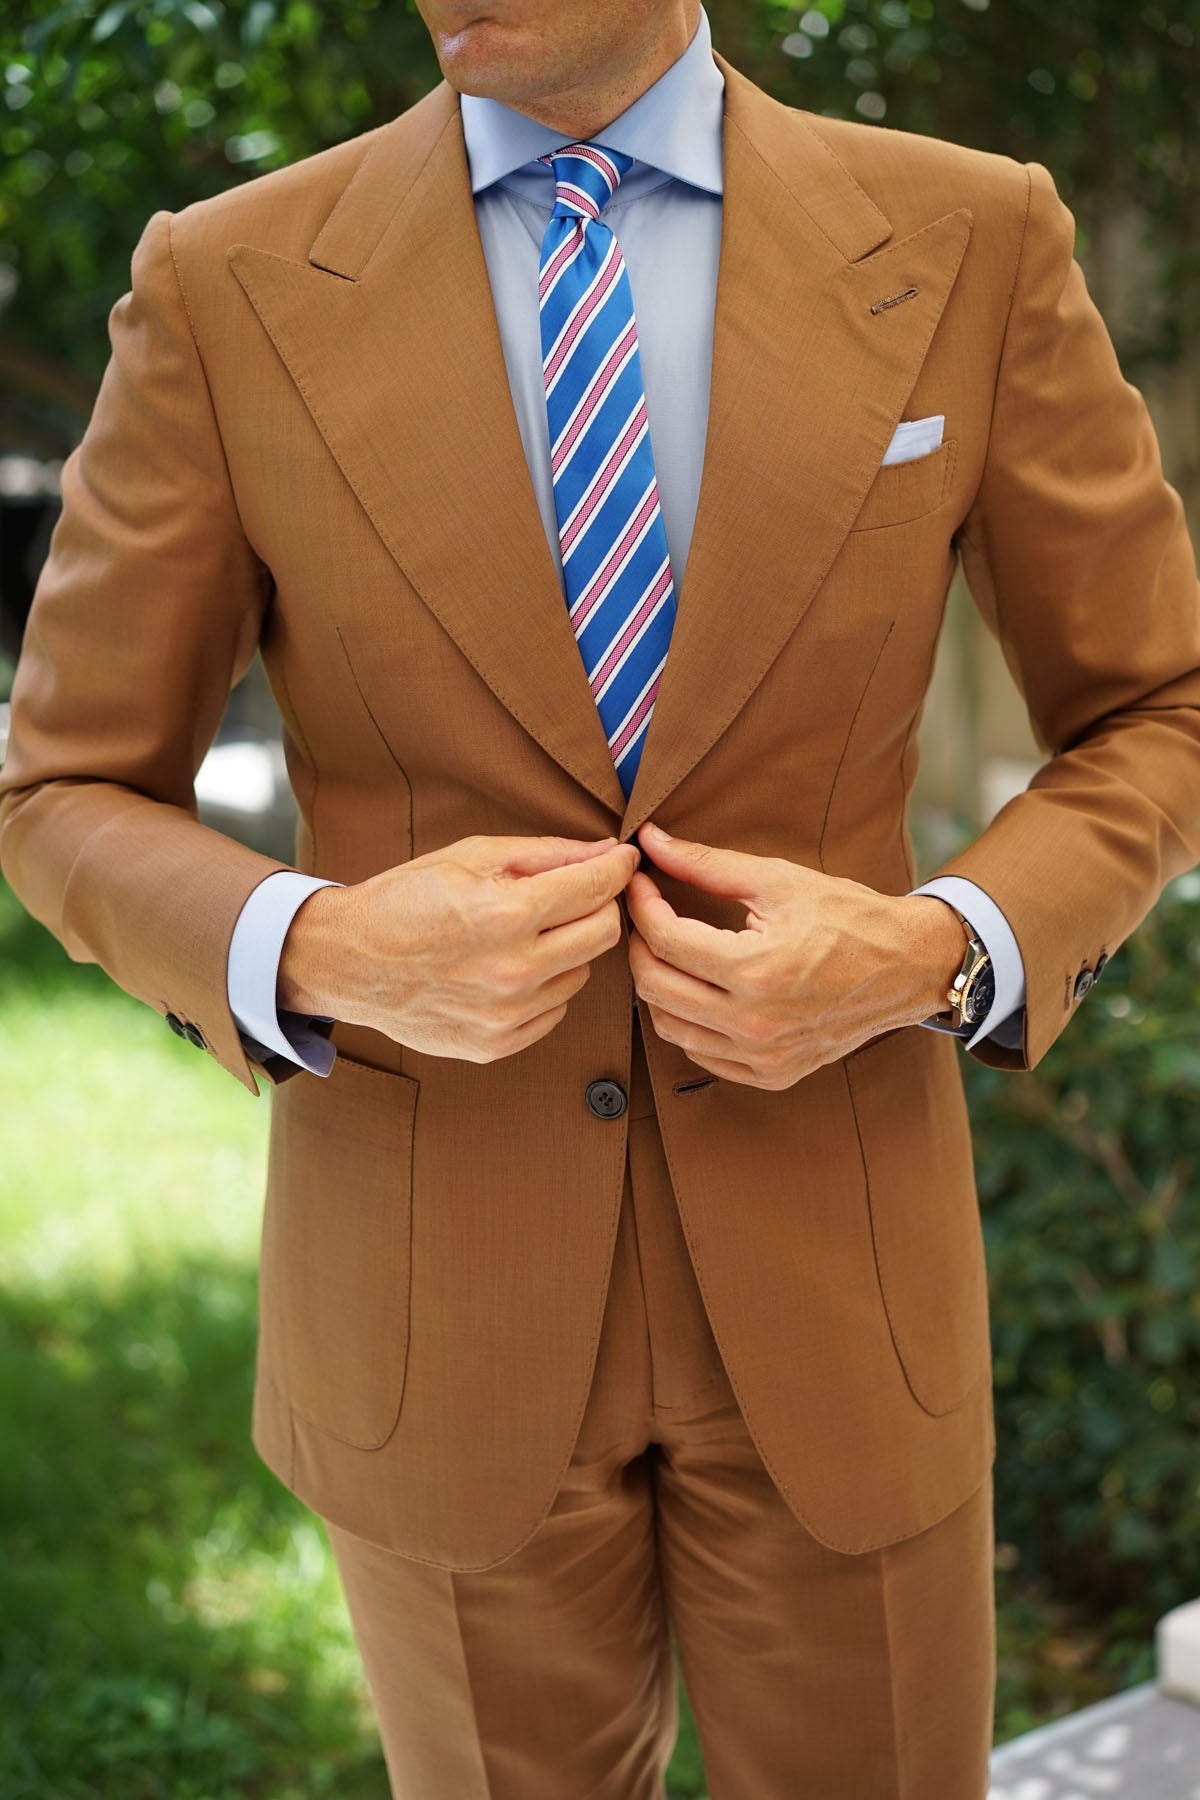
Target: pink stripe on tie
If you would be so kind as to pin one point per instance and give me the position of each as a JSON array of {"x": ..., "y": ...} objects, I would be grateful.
[
  {"x": 589, "y": 153},
  {"x": 570, "y": 248},
  {"x": 631, "y": 630},
  {"x": 600, "y": 580},
  {"x": 633, "y": 725},
  {"x": 567, "y": 190},
  {"x": 604, "y": 280},
  {"x": 596, "y": 395},
  {"x": 606, "y": 477}
]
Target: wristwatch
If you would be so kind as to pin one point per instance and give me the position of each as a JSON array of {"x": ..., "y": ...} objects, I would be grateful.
[{"x": 973, "y": 990}]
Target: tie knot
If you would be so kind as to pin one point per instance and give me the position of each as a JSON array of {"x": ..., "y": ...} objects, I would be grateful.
[{"x": 587, "y": 177}]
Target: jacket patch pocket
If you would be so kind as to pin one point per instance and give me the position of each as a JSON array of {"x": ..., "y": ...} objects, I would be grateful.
[
  {"x": 915, "y": 1138},
  {"x": 336, "y": 1254},
  {"x": 906, "y": 490}
]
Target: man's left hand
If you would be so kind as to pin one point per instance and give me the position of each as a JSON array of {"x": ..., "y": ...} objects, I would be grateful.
[{"x": 821, "y": 965}]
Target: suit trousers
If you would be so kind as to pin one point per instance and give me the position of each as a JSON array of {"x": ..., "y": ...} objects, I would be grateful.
[{"x": 812, "y": 1674}]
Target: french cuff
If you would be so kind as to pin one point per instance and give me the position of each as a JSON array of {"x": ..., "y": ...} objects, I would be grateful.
[
  {"x": 1002, "y": 1020},
  {"x": 252, "y": 976}
]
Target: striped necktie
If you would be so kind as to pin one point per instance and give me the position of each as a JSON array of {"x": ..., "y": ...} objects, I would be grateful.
[{"x": 616, "y": 570}]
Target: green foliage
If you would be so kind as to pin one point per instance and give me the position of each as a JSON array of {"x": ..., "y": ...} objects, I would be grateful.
[
  {"x": 1089, "y": 1181},
  {"x": 1105, "y": 93},
  {"x": 112, "y": 110}
]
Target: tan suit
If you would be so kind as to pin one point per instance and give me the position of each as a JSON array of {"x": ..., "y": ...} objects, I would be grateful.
[{"x": 305, "y": 439}]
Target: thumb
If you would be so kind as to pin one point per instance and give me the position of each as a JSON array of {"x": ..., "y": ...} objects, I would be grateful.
[{"x": 714, "y": 871}]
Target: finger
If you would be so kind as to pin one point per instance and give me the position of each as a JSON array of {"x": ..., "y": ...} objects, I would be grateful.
[
  {"x": 558, "y": 895},
  {"x": 660, "y": 984},
  {"x": 693, "y": 1039},
  {"x": 534, "y": 1029},
  {"x": 561, "y": 947},
  {"x": 729, "y": 872},
  {"x": 707, "y": 951},
  {"x": 559, "y": 989},
  {"x": 727, "y": 1067},
  {"x": 531, "y": 855}
]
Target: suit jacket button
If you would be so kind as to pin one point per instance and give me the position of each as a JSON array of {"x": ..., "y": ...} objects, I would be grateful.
[
  {"x": 194, "y": 1035},
  {"x": 175, "y": 1024},
  {"x": 606, "y": 1099},
  {"x": 1100, "y": 962},
  {"x": 1083, "y": 982}
]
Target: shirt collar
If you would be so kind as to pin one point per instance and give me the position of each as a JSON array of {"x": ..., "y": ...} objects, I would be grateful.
[{"x": 675, "y": 126}]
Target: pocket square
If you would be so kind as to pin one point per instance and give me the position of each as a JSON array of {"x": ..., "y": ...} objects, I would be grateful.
[{"x": 914, "y": 437}]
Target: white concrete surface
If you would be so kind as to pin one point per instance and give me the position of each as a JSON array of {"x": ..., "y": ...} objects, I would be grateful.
[
  {"x": 1139, "y": 1745},
  {"x": 1177, "y": 1652}
]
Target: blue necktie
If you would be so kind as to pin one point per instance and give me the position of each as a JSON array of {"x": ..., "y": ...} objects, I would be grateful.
[{"x": 616, "y": 569}]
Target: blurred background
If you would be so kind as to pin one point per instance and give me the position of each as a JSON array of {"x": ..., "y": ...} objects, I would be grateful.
[{"x": 170, "y": 1624}]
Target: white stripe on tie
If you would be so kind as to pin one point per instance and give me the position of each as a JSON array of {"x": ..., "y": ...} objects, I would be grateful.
[{"x": 617, "y": 580}]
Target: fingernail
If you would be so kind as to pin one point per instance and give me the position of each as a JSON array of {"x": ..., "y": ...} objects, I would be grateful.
[{"x": 651, "y": 826}]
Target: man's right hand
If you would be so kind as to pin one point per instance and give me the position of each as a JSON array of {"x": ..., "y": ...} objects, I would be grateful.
[{"x": 472, "y": 951}]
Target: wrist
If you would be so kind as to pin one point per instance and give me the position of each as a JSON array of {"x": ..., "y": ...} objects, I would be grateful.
[
  {"x": 308, "y": 960},
  {"x": 934, "y": 944}
]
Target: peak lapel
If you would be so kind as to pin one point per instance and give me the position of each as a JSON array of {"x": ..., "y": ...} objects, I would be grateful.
[
  {"x": 389, "y": 332},
  {"x": 807, "y": 387}
]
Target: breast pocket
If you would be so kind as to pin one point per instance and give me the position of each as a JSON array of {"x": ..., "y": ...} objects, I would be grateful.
[
  {"x": 905, "y": 490},
  {"x": 334, "y": 1279}
]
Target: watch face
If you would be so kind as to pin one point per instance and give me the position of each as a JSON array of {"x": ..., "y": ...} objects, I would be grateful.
[{"x": 979, "y": 995}]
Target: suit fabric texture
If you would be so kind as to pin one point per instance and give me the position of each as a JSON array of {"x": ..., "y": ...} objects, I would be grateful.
[{"x": 312, "y": 359}]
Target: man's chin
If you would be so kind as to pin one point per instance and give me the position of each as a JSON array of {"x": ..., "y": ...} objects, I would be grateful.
[{"x": 486, "y": 60}]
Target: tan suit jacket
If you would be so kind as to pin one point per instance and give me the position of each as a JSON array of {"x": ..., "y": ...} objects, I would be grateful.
[{"x": 305, "y": 440}]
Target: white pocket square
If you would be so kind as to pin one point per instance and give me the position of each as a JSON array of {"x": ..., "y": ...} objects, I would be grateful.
[{"x": 914, "y": 437}]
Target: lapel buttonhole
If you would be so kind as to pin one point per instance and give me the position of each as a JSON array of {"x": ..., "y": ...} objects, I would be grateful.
[{"x": 893, "y": 300}]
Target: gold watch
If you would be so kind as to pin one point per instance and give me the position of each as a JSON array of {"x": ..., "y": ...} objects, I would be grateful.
[{"x": 973, "y": 989}]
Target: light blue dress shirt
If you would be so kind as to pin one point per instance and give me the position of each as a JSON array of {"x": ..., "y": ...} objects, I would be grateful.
[{"x": 666, "y": 215}]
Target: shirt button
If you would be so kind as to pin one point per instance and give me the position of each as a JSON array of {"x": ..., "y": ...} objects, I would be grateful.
[{"x": 606, "y": 1099}]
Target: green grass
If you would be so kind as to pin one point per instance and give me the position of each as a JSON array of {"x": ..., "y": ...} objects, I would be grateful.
[{"x": 171, "y": 1625}]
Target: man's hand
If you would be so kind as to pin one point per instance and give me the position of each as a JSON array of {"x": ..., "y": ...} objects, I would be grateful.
[
  {"x": 472, "y": 951},
  {"x": 821, "y": 965}
]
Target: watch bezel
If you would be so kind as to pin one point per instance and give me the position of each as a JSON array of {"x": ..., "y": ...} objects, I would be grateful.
[
  {"x": 976, "y": 963},
  {"x": 980, "y": 970}
]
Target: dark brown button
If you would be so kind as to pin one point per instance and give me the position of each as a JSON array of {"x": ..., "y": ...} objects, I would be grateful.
[
  {"x": 1083, "y": 982},
  {"x": 176, "y": 1025},
  {"x": 1100, "y": 962},
  {"x": 607, "y": 1099},
  {"x": 194, "y": 1035}
]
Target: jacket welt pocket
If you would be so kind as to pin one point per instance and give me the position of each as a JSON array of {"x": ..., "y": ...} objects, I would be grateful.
[
  {"x": 905, "y": 490},
  {"x": 334, "y": 1279}
]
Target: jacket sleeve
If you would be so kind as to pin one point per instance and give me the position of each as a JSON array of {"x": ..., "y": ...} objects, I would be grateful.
[
  {"x": 1077, "y": 554},
  {"x": 148, "y": 609}
]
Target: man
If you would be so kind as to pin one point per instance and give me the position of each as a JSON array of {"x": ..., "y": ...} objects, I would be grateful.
[{"x": 586, "y": 1322}]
